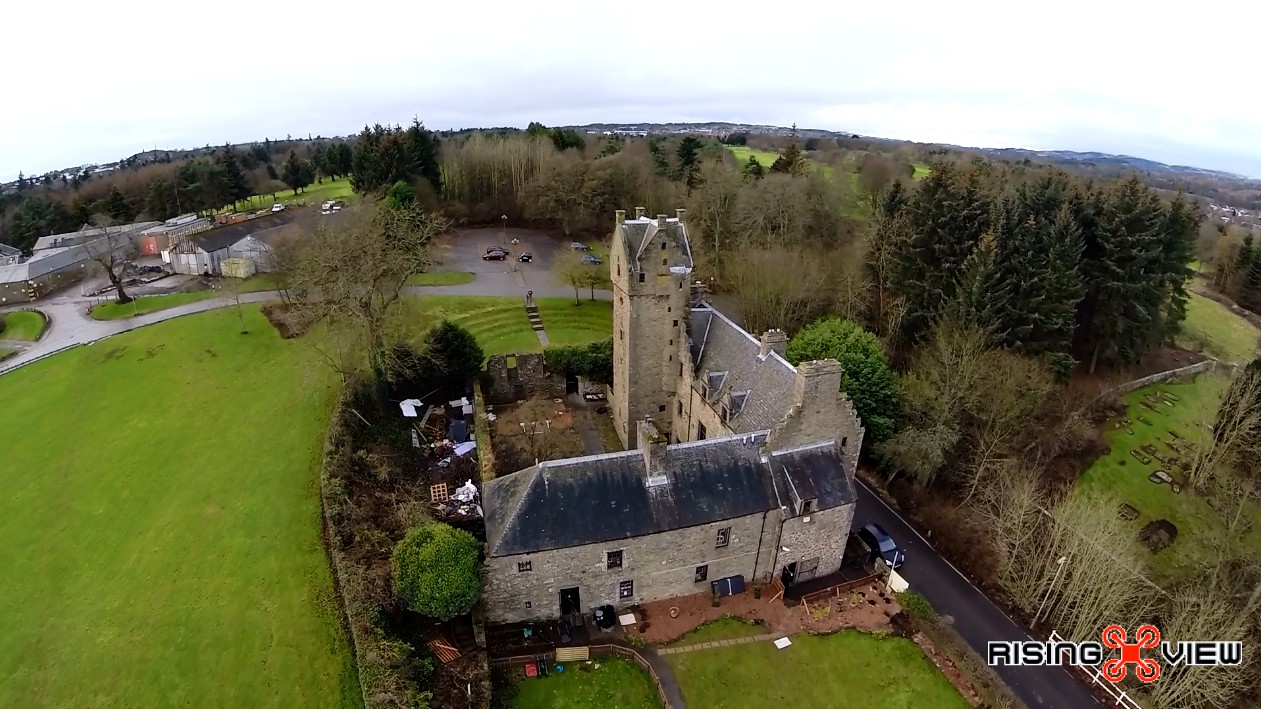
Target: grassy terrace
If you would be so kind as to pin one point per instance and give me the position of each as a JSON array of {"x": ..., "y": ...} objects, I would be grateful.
[
  {"x": 615, "y": 683},
  {"x": 147, "y": 304},
  {"x": 161, "y": 530},
  {"x": 846, "y": 669},
  {"x": 22, "y": 325},
  {"x": 500, "y": 323},
  {"x": 569, "y": 324},
  {"x": 1124, "y": 477}
]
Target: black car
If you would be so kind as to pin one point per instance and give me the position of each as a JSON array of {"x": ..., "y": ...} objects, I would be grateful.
[
  {"x": 525, "y": 257},
  {"x": 880, "y": 543}
]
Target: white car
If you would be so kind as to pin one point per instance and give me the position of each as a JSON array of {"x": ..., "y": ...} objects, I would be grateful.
[{"x": 278, "y": 207}]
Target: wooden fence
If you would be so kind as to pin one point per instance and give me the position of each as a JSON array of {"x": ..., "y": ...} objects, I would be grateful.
[{"x": 596, "y": 651}]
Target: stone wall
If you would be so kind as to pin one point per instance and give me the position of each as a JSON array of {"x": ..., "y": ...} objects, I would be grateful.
[
  {"x": 660, "y": 565},
  {"x": 819, "y": 413},
  {"x": 1168, "y": 376},
  {"x": 697, "y": 412},
  {"x": 822, "y": 538},
  {"x": 527, "y": 378}
]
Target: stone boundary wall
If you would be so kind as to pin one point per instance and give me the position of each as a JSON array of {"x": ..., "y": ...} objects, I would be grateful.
[
  {"x": 529, "y": 377},
  {"x": 1168, "y": 375},
  {"x": 481, "y": 430}
]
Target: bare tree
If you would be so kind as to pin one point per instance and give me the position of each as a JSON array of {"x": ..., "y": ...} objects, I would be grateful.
[
  {"x": 711, "y": 213},
  {"x": 1236, "y": 437},
  {"x": 112, "y": 249},
  {"x": 875, "y": 173},
  {"x": 281, "y": 260},
  {"x": 781, "y": 287},
  {"x": 350, "y": 273}
]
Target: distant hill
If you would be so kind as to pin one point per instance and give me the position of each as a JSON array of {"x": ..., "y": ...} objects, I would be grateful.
[{"x": 1101, "y": 160}]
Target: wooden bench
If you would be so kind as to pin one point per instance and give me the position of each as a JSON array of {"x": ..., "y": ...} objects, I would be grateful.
[{"x": 573, "y": 654}]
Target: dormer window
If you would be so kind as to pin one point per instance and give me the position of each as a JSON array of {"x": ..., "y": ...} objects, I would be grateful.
[{"x": 807, "y": 506}]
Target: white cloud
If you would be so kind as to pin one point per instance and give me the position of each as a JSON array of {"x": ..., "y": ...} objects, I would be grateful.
[{"x": 99, "y": 81}]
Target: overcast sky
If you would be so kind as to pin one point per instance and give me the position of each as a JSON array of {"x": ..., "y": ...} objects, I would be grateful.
[{"x": 92, "y": 82}]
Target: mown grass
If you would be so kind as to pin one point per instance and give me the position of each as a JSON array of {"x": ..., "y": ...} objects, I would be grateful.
[
  {"x": 602, "y": 684},
  {"x": 441, "y": 278},
  {"x": 25, "y": 325},
  {"x": 148, "y": 304},
  {"x": 314, "y": 194},
  {"x": 6, "y": 353},
  {"x": 721, "y": 629},
  {"x": 569, "y": 324},
  {"x": 1122, "y": 476},
  {"x": 845, "y": 669},
  {"x": 1211, "y": 328},
  {"x": 161, "y": 524},
  {"x": 742, "y": 153},
  {"x": 499, "y": 323},
  {"x": 921, "y": 171}
]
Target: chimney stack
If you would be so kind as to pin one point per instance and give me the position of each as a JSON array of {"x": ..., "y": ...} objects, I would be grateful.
[
  {"x": 817, "y": 381},
  {"x": 774, "y": 341},
  {"x": 639, "y": 212},
  {"x": 661, "y": 221},
  {"x": 679, "y": 213},
  {"x": 653, "y": 445},
  {"x": 619, "y": 216}
]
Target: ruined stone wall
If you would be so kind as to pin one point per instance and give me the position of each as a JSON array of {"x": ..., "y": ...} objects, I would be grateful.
[{"x": 527, "y": 377}]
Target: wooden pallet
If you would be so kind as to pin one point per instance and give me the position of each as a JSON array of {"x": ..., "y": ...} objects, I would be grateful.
[
  {"x": 438, "y": 493},
  {"x": 573, "y": 654},
  {"x": 444, "y": 651}
]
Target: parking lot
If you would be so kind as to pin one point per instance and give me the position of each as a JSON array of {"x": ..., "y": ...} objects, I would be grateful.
[{"x": 463, "y": 251}]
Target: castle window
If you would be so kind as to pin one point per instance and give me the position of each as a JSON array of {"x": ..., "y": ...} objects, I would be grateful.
[
  {"x": 613, "y": 560},
  {"x": 807, "y": 506},
  {"x": 641, "y": 278},
  {"x": 619, "y": 269},
  {"x": 680, "y": 369},
  {"x": 523, "y": 566},
  {"x": 702, "y": 572},
  {"x": 700, "y": 436},
  {"x": 661, "y": 409},
  {"x": 724, "y": 536},
  {"x": 680, "y": 407},
  {"x": 665, "y": 262},
  {"x": 621, "y": 334},
  {"x": 669, "y": 309},
  {"x": 672, "y": 342},
  {"x": 844, "y": 441},
  {"x": 680, "y": 285},
  {"x": 676, "y": 323},
  {"x": 663, "y": 246}
]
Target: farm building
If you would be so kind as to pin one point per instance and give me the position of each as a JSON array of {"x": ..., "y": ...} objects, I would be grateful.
[
  {"x": 61, "y": 260},
  {"x": 206, "y": 252},
  {"x": 155, "y": 240},
  {"x": 252, "y": 250}
]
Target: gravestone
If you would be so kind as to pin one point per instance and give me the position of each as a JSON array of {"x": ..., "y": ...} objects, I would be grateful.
[
  {"x": 1158, "y": 535},
  {"x": 1127, "y": 512}
]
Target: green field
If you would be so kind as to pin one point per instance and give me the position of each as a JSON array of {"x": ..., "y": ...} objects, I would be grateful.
[
  {"x": 742, "y": 153},
  {"x": 721, "y": 629},
  {"x": 569, "y": 324},
  {"x": 147, "y": 304},
  {"x": 25, "y": 325},
  {"x": 921, "y": 171},
  {"x": 1123, "y": 477},
  {"x": 161, "y": 524},
  {"x": 314, "y": 194},
  {"x": 1211, "y": 328},
  {"x": 608, "y": 683},
  {"x": 441, "y": 278},
  {"x": 846, "y": 669}
]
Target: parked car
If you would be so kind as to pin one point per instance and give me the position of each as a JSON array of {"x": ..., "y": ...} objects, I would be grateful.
[
  {"x": 496, "y": 248},
  {"x": 525, "y": 257},
  {"x": 278, "y": 207},
  {"x": 882, "y": 545},
  {"x": 494, "y": 255},
  {"x": 591, "y": 260},
  {"x": 576, "y": 246}
]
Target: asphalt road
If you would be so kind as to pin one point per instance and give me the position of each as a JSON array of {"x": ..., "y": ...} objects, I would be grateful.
[{"x": 976, "y": 618}]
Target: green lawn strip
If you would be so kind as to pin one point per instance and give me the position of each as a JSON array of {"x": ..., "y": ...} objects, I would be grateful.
[
  {"x": 1211, "y": 327},
  {"x": 259, "y": 283},
  {"x": 1122, "y": 476},
  {"x": 161, "y": 523},
  {"x": 608, "y": 683},
  {"x": 314, "y": 194},
  {"x": 148, "y": 304},
  {"x": 23, "y": 325},
  {"x": 569, "y": 324},
  {"x": 845, "y": 669},
  {"x": 441, "y": 278},
  {"x": 5, "y": 354},
  {"x": 721, "y": 629}
]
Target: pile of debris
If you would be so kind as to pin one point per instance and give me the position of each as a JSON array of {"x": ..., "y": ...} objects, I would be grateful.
[{"x": 464, "y": 503}]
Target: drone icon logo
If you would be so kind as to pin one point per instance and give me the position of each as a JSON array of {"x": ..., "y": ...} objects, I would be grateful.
[{"x": 1145, "y": 668}]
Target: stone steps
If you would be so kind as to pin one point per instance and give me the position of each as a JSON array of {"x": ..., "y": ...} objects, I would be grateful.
[{"x": 536, "y": 322}]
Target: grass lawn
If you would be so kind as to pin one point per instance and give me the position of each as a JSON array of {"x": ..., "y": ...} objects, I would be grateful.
[
  {"x": 921, "y": 171},
  {"x": 147, "y": 304},
  {"x": 161, "y": 524},
  {"x": 499, "y": 324},
  {"x": 1122, "y": 476},
  {"x": 742, "y": 153},
  {"x": 569, "y": 324},
  {"x": 315, "y": 194},
  {"x": 441, "y": 278},
  {"x": 615, "y": 683},
  {"x": 5, "y": 354},
  {"x": 846, "y": 669},
  {"x": 1210, "y": 327},
  {"x": 721, "y": 629},
  {"x": 23, "y": 325}
]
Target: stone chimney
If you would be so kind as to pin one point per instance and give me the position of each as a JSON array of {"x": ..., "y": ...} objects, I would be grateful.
[
  {"x": 639, "y": 212},
  {"x": 619, "y": 216},
  {"x": 774, "y": 341},
  {"x": 661, "y": 221},
  {"x": 679, "y": 213},
  {"x": 653, "y": 445},
  {"x": 817, "y": 381}
]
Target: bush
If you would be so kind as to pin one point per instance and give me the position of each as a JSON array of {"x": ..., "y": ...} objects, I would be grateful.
[
  {"x": 916, "y": 605},
  {"x": 593, "y": 361},
  {"x": 868, "y": 380},
  {"x": 454, "y": 351},
  {"x": 437, "y": 571}
]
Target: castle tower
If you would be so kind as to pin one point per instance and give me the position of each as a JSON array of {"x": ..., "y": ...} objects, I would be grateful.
[{"x": 650, "y": 264}]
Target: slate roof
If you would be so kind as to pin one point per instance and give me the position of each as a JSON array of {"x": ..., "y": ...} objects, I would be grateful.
[
  {"x": 765, "y": 385},
  {"x": 74, "y": 238},
  {"x": 814, "y": 472},
  {"x": 225, "y": 236},
  {"x": 605, "y": 498},
  {"x": 6, "y": 250},
  {"x": 637, "y": 232}
]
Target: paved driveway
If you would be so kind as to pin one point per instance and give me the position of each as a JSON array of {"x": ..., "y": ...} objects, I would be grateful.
[
  {"x": 976, "y": 618},
  {"x": 463, "y": 251}
]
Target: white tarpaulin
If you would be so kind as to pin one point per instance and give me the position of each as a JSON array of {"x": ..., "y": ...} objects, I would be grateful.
[
  {"x": 783, "y": 643},
  {"x": 465, "y": 448},
  {"x": 409, "y": 407},
  {"x": 465, "y": 493}
]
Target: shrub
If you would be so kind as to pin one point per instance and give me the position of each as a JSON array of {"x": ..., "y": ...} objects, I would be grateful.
[
  {"x": 916, "y": 605},
  {"x": 454, "y": 351},
  {"x": 437, "y": 571},
  {"x": 868, "y": 380},
  {"x": 593, "y": 361}
]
